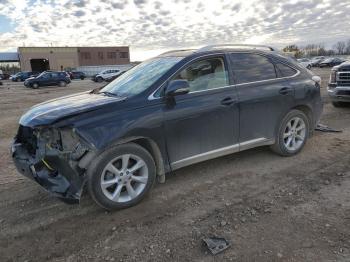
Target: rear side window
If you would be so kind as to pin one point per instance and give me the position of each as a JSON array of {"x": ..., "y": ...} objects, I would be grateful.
[
  {"x": 249, "y": 67},
  {"x": 284, "y": 70}
]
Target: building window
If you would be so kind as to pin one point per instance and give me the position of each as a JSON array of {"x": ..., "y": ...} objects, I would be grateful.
[
  {"x": 111, "y": 55},
  {"x": 100, "y": 55},
  {"x": 124, "y": 55},
  {"x": 85, "y": 55}
]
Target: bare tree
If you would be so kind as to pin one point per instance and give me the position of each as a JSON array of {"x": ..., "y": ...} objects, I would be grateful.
[
  {"x": 340, "y": 47},
  {"x": 347, "y": 49}
]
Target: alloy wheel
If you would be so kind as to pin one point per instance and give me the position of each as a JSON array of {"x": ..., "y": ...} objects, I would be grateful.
[
  {"x": 124, "y": 178},
  {"x": 294, "y": 134}
]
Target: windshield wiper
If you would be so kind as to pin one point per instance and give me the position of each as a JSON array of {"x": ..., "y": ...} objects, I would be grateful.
[{"x": 108, "y": 93}]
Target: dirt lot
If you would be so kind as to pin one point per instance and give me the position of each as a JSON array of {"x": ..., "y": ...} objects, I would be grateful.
[{"x": 270, "y": 208}]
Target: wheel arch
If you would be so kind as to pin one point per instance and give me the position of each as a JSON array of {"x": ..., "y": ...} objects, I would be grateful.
[
  {"x": 152, "y": 147},
  {"x": 303, "y": 108},
  {"x": 308, "y": 112}
]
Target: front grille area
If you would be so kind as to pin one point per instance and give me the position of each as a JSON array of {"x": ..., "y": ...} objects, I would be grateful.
[
  {"x": 27, "y": 137},
  {"x": 343, "y": 78},
  {"x": 343, "y": 93}
]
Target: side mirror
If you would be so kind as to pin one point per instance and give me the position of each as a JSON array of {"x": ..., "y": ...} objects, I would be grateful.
[
  {"x": 317, "y": 79},
  {"x": 177, "y": 87}
]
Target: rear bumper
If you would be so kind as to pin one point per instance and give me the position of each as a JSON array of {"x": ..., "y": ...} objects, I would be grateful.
[
  {"x": 51, "y": 172},
  {"x": 339, "y": 93}
]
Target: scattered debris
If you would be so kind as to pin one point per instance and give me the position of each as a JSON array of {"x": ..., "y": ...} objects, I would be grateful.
[
  {"x": 223, "y": 223},
  {"x": 324, "y": 128},
  {"x": 216, "y": 244}
]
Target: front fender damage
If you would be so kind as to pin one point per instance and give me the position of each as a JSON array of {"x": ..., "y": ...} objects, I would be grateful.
[{"x": 56, "y": 158}]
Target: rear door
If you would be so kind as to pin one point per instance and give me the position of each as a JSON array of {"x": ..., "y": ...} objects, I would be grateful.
[
  {"x": 202, "y": 124},
  {"x": 54, "y": 79},
  {"x": 264, "y": 97}
]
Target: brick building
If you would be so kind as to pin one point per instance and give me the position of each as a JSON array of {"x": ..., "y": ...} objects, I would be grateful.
[{"x": 60, "y": 58}]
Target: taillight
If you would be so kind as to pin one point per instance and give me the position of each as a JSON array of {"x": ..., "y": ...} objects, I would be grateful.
[{"x": 333, "y": 77}]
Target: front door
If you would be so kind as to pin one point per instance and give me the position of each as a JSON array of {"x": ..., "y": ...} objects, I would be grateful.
[{"x": 202, "y": 124}]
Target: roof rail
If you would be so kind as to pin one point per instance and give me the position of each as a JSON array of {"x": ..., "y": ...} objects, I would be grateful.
[
  {"x": 174, "y": 51},
  {"x": 211, "y": 47}
]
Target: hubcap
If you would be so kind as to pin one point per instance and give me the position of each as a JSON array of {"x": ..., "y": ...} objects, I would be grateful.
[
  {"x": 294, "y": 134},
  {"x": 124, "y": 178}
]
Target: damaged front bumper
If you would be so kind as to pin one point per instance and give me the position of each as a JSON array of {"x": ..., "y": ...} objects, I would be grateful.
[{"x": 52, "y": 168}]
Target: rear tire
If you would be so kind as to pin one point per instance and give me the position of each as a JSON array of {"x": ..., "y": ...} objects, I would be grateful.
[
  {"x": 62, "y": 84},
  {"x": 339, "y": 104},
  {"x": 121, "y": 176},
  {"x": 292, "y": 133}
]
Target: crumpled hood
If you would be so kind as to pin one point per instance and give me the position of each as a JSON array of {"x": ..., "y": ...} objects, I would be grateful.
[{"x": 53, "y": 110}]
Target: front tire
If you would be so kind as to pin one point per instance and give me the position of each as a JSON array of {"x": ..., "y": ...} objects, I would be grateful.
[
  {"x": 35, "y": 85},
  {"x": 292, "y": 134},
  {"x": 121, "y": 176},
  {"x": 99, "y": 79}
]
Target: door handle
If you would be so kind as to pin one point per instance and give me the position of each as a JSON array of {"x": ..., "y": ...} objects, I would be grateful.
[
  {"x": 228, "y": 101},
  {"x": 285, "y": 90}
]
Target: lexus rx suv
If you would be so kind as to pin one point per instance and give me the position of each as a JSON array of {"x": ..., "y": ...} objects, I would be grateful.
[{"x": 174, "y": 110}]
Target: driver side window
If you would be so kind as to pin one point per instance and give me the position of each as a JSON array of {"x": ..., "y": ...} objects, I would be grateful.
[
  {"x": 46, "y": 76},
  {"x": 205, "y": 74}
]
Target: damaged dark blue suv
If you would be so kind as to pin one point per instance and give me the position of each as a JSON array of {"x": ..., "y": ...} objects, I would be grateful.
[{"x": 171, "y": 111}]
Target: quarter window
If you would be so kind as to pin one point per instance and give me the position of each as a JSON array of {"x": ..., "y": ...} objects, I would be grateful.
[
  {"x": 252, "y": 67},
  {"x": 285, "y": 70},
  {"x": 205, "y": 74}
]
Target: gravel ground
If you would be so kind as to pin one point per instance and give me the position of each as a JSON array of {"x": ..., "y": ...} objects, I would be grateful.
[{"x": 270, "y": 208}]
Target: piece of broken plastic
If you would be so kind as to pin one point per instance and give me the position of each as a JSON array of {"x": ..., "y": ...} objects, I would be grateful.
[
  {"x": 324, "y": 128},
  {"x": 216, "y": 244}
]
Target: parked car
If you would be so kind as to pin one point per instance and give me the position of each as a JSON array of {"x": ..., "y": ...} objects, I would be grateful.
[
  {"x": 110, "y": 79},
  {"x": 21, "y": 76},
  {"x": 48, "y": 78},
  {"x": 106, "y": 74},
  {"x": 315, "y": 61},
  {"x": 339, "y": 85},
  {"x": 305, "y": 62},
  {"x": 4, "y": 76},
  {"x": 77, "y": 75},
  {"x": 330, "y": 62},
  {"x": 166, "y": 113}
]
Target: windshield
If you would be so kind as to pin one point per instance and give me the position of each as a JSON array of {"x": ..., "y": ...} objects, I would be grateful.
[{"x": 140, "y": 77}]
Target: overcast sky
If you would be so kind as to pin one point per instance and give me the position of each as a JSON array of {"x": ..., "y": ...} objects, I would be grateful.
[{"x": 153, "y": 26}]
